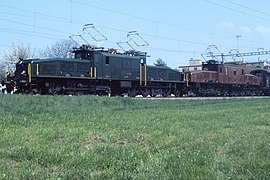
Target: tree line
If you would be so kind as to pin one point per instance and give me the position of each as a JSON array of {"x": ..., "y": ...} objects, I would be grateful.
[{"x": 20, "y": 51}]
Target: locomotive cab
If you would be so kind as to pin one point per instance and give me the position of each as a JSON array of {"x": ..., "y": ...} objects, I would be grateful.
[
  {"x": 263, "y": 75},
  {"x": 20, "y": 78},
  {"x": 84, "y": 52},
  {"x": 21, "y": 72},
  {"x": 211, "y": 65}
]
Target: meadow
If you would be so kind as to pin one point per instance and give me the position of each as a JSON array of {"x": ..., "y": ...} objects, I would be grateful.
[{"x": 89, "y": 137}]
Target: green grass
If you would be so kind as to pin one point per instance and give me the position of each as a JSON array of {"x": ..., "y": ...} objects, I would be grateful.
[{"x": 52, "y": 137}]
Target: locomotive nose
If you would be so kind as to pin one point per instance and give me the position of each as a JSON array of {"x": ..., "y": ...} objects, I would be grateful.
[{"x": 21, "y": 73}]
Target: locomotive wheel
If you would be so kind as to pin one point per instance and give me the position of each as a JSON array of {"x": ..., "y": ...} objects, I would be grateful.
[
  {"x": 132, "y": 93},
  {"x": 177, "y": 93},
  {"x": 36, "y": 91},
  {"x": 56, "y": 90},
  {"x": 155, "y": 92},
  {"x": 165, "y": 93},
  {"x": 145, "y": 92}
]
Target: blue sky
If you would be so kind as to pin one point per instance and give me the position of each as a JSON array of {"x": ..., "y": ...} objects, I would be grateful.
[{"x": 175, "y": 30}]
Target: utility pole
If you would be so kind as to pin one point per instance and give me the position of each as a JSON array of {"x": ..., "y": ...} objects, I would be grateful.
[{"x": 237, "y": 38}]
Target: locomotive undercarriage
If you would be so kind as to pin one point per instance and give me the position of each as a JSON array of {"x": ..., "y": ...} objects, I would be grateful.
[
  {"x": 64, "y": 86},
  {"x": 216, "y": 89},
  {"x": 154, "y": 89},
  {"x": 83, "y": 86}
]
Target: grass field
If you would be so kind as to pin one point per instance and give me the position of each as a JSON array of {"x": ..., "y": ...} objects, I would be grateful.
[{"x": 51, "y": 137}]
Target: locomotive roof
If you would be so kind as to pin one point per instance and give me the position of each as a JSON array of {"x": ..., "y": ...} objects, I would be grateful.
[
  {"x": 162, "y": 67},
  {"x": 159, "y": 67},
  {"x": 110, "y": 51},
  {"x": 53, "y": 59},
  {"x": 106, "y": 53}
]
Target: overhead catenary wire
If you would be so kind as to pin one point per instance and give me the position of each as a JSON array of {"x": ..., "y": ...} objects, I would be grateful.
[
  {"x": 34, "y": 26},
  {"x": 158, "y": 49},
  {"x": 238, "y": 11},
  {"x": 30, "y": 33},
  {"x": 73, "y": 21},
  {"x": 171, "y": 38},
  {"x": 248, "y": 8},
  {"x": 30, "y": 16},
  {"x": 68, "y": 33},
  {"x": 121, "y": 13},
  {"x": 148, "y": 20},
  {"x": 168, "y": 24},
  {"x": 126, "y": 14},
  {"x": 31, "y": 12}
]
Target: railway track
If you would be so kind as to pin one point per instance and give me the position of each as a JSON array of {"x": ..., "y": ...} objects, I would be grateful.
[{"x": 203, "y": 98}]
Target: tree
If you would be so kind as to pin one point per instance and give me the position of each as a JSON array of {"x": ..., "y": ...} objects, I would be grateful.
[
  {"x": 160, "y": 63},
  {"x": 16, "y": 52},
  {"x": 2, "y": 72},
  {"x": 60, "y": 49}
]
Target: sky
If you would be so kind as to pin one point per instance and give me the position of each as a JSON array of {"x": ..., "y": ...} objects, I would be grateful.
[{"x": 176, "y": 30}]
